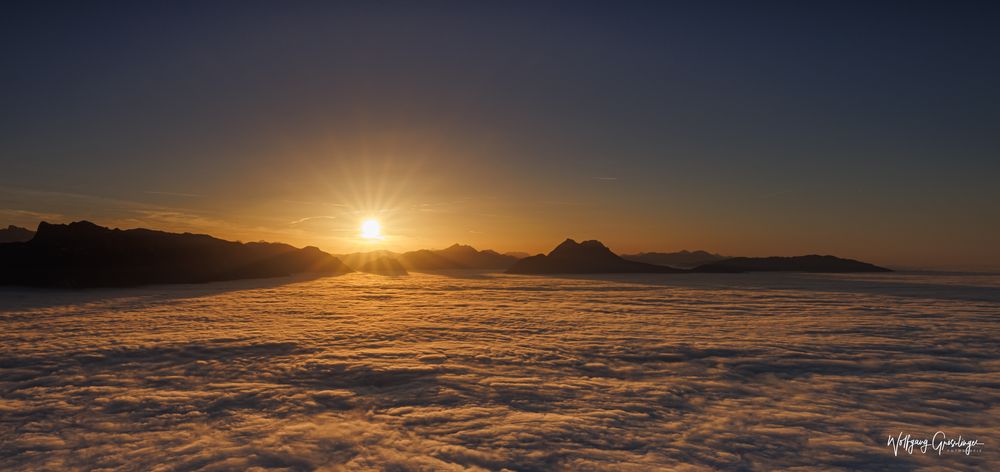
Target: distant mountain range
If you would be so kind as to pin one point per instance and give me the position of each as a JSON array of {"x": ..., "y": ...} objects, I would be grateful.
[
  {"x": 359, "y": 259},
  {"x": 456, "y": 256},
  {"x": 82, "y": 254},
  {"x": 588, "y": 257},
  {"x": 810, "y": 263},
  {"x": 15, "y": 234},
  {"x": 384, "y": 265},
  {"x": 679, "y": 260}
]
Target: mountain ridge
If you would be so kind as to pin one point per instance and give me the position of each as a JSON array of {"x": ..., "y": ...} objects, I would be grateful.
[
  {"x": 809, "y": 263},
  {"x": 82, "y": 254},
  {"x": 15, "y": 234},
  {"x": 587, "y": 257},
  {"x": 454, "y": 257}
]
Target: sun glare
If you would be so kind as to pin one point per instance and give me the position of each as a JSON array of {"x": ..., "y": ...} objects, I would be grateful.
[{"x": 371, "y": 229}]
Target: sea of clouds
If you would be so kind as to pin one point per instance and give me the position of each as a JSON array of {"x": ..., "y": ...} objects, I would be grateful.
[{"x": 468, "y": 371}]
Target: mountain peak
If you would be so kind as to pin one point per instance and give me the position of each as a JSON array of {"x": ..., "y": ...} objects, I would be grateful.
[
  {"x": 15, "y": 234},
  {"x": 456, "y": 256},
  {"x": 76, "y": 229},
  {"x": 460, "y": 247},
  {"x": 589, "y": 248},
  {"x": 568, "y": 244},
  {"x": 587, "y": 257}
]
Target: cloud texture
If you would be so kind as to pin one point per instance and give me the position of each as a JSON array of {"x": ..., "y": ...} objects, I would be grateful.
[{"x": 430, "y": 372}]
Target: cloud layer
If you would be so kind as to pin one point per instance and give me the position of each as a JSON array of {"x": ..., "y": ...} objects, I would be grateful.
[{"x": 430, "y": 372}]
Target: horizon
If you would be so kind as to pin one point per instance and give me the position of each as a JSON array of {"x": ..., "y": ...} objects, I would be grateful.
[{"x": 373, "y": 249}]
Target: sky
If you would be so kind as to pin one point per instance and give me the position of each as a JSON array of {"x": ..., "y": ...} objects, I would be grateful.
[{"x": 772, "y": 128}]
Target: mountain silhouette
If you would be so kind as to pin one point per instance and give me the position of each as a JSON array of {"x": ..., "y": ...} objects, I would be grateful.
[
  {"x": 679, "y": 260},
  {"x": 810, "y": 263},
  {"x": 427, "y": 259},
  {"x": 83, "y": 254},
  {"x": 357, "y": 260},
  {"x": 588, "y": 257},
  {"x": 456, "y": 256},
  {"x": 385, "y": 265},
  {"x": 15, "y": 234}
]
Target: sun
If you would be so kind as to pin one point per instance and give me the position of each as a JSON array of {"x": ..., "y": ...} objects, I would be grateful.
[{"x": 371, "y": 229}]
